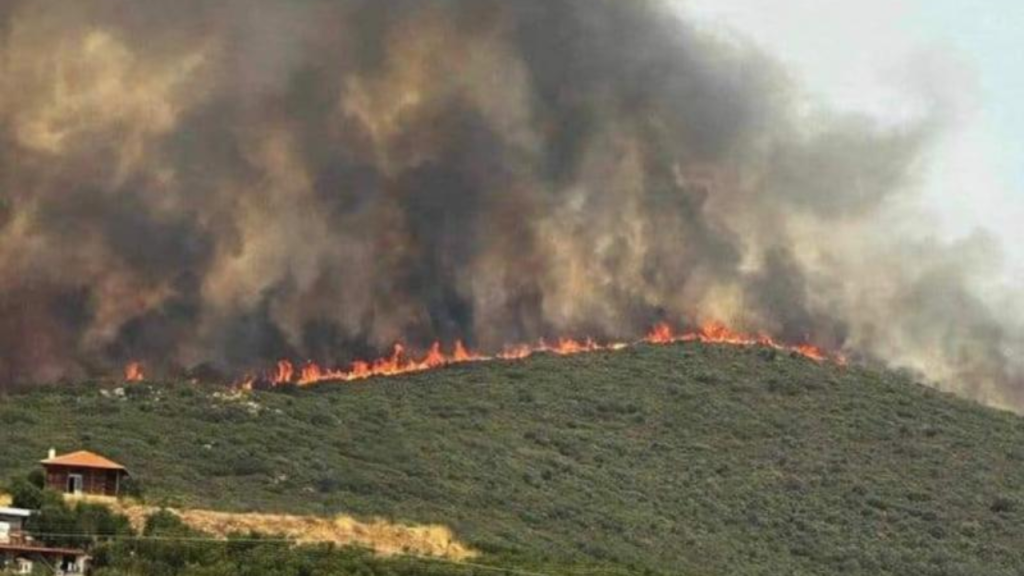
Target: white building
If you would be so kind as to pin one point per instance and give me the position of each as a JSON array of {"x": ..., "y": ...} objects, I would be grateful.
[
  {"x": 20, "y": 555},
  {"x": 12, "y": 524}
]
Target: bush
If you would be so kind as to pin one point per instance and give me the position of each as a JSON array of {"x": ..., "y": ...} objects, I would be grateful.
[
  {"x": 166, "y": 523},
  {"x": 132, "y": 488},
  {"x": 25, "y": 493},
  {"x": 1003, "y": 505},
  {"x": 58, "y": 524},
  {"x": 37, "y": 478}
]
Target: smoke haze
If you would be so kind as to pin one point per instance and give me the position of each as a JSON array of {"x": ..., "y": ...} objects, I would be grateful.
[{"x": 226, "y": 183}]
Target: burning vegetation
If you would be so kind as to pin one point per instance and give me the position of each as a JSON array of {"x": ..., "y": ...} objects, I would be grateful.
[
  {"x": 400, "y": 362},
  {"x": 212, "y": 185},
  {"x": 134, "y": 372}
]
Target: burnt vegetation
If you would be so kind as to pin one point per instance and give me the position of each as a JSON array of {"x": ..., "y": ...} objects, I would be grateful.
[{"x": 686, "y": 459}]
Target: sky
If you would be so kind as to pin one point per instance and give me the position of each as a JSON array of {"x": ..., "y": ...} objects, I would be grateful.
[{"x": 896, "y": 59}]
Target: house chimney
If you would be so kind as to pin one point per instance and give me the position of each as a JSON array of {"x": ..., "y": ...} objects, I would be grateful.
[{"x": 51, "y": 454}]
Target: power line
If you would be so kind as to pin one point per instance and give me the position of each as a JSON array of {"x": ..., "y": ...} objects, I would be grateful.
[{"x": 176, "y": 538}]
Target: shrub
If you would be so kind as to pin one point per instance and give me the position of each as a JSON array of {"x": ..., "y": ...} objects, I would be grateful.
[
  {"x": 132, "y": 487},
  {"x": 1003, "y": 505},
  {"x": 25, "y": 493},
  {"x": 58, "y": 524}
]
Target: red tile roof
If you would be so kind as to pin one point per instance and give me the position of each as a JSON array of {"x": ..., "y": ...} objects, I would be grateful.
[{"x": 83, "y": 459}]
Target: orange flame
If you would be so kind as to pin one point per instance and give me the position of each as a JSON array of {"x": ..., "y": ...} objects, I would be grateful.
[
  {"x": 717, "y": 333},
  {"x": 461, "y": 354},
  {"x": 661, "y": 334},
  {"x": 284, "y": 371},
  {"x": 134, "y": 372},
  {"x": 399, "y": 362}
]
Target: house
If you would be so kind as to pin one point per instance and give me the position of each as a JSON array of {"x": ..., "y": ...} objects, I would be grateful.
[
  {"x": 12, "y": 524},
  {"x": 19, "y": 554},
  {"x": 83, "y": 472},
  {"x": 28, "y": 558}
]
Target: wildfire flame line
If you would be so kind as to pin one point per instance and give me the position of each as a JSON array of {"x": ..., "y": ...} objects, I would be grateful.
[{"x": 399, "y": 362}]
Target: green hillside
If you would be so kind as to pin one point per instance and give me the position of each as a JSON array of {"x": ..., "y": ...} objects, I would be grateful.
[{"x": 686, "y": 459}]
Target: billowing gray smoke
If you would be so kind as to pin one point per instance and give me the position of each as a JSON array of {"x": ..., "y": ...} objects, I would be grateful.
[{"x": 228, "y": 182}]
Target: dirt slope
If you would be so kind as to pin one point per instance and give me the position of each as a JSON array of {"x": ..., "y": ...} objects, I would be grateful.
[{"x": 380, "y": 536}]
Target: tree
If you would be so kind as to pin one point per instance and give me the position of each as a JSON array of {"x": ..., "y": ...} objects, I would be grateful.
[{"x": 25, "y": 493}]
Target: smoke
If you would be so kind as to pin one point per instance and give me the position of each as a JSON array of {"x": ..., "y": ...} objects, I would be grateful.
[{"x": 225, "y": 183}]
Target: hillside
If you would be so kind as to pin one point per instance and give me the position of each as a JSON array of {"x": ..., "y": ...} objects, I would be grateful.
[{"x": 687, "y": 459}]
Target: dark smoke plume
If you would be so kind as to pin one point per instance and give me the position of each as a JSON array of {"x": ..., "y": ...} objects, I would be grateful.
[{"x": 225, "y": 183}]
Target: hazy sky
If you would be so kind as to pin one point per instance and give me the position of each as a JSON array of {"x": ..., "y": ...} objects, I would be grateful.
[{"x": 894, "y": 59}]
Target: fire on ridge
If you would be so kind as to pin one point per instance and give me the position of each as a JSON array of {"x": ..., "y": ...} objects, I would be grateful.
[{"x": 400, "y": 362}]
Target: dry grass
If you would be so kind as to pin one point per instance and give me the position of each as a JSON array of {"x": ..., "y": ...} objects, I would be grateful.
[
  {"x": 380, "y": 536},
  {"x": 90, "y": 498},
  {"x": 5, "y": 499}
]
